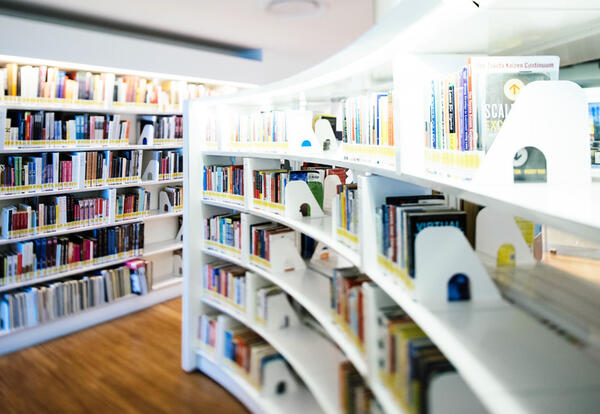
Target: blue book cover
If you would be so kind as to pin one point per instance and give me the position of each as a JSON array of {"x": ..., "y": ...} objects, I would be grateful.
[{"x": 432, "y": 118}]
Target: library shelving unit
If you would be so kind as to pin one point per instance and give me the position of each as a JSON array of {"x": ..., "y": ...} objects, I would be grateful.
[
  {"x": 507, "y": 357},
  {"x": 42, "y": 91}
]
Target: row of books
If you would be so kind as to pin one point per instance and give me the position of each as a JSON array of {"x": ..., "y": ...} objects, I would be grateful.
[
  {"x": 401, "y": 218},
  {"x": 23, "y": 261},
  {"x": 368, "y": 119},
  {"x": 170, "y": 164},
  {"x": 175, "y": 197},
  {"x": 224, "y": 179},
  {"x": 225, "y": 229},
  {"x": 58, "y": 213},
  {"x": 267, "y": 126},
  {"x": 164, "y": 127},
  {"x": 467, "y": 108},
  {"x": 133, "y": 203},
  {"x": 49, "y": 82},
  {"x": 58, "y": 171},
  {"x": 38, "y": 304},
  {"x": 27, "y": 81},
  {"x": 347, "y": 305},
  {"x": 23, "y": 127},
  {"x": 227, "y": 280},
  {"x": 407, "y": 360},
  {"x": 347, "y": 199},
  {"x": 270, "y": 185},
  {"x": 136, "y": 89},
  {"x": 355, "y": 396},
  {"x": 265, "y": 235}
]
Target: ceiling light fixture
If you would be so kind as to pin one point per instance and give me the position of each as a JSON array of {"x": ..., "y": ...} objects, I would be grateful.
[{"x": 293, "y": 8}]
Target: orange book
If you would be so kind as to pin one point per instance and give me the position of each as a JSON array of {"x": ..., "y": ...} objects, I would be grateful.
[{"x": 12, "y": 70}]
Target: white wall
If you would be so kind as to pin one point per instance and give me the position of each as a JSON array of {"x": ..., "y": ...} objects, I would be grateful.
[{"x": 28, "y": 38}]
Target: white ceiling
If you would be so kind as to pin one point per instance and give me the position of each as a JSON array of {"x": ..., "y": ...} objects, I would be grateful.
[{"x": 240, "y": 22}]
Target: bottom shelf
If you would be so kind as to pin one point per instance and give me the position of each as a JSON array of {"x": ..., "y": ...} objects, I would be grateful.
[
  {"x": 301, "y": 402},
  {"x": 18, "y": 339}
]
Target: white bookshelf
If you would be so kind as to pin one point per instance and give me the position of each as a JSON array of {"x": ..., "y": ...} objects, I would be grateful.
[
  {"x": 507, "y": 358},
  {"x": 161, "y": 228}
]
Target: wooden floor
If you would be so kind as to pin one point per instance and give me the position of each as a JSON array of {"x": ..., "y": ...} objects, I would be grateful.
[{"x": 129, "y": 365}]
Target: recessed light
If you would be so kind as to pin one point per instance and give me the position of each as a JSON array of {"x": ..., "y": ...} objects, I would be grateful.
[{"x": 293, "y": 8}]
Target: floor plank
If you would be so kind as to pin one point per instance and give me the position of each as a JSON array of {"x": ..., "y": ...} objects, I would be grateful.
[{"x": 129, "y": 365}]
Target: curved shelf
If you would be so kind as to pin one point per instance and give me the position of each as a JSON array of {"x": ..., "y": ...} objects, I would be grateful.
[
  {"x": 310, "y": 289},
  {"x": 299, "y": 345},
  {"x": 503, "y": 373},
  {"x": 299, "y": 402},
  {"x": 319, "y": 228},
  {"x": 569, "y": 208}
]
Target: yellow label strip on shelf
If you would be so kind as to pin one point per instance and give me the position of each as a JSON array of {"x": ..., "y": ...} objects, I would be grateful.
[
  {"x": 379, "y": 150},
  {"x": 347, "y": 236},
  {"x": 393, "y": 270},
  {"x": 260, "y": 261},
  {"x": 275, "y": 207},
  {"x": 222, "y": 196},
  {"x": 346, "y": 329},
  {"x": 222, "y": 248}
]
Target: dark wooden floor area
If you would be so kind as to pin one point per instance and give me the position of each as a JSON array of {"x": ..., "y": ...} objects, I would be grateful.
[{"x": 129, "y": 365}]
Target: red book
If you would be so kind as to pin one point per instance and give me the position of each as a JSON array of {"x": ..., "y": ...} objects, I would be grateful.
[
  {"x": 361, "y": 325},
  {"x": 70, "y": 171},
  {"x": 28, "y": 127},
  {"x": 19, "y": 263}
]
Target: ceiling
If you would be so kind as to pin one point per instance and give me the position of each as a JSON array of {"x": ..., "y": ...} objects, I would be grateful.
[{"x": 239, "y": 22}]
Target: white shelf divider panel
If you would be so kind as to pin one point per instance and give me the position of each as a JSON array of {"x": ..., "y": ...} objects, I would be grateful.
[
  {"x": 21, "y": 338},
  {"x": 300, "y": 345},
  {"x": 300, "y": 402}
]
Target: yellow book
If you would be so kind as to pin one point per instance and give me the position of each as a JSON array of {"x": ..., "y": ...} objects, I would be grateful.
[{"x": 12, "y": 70}]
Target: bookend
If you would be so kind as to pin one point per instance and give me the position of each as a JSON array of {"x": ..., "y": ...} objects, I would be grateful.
[
  {"x": 455, "y": 275},
  {"x": 330, "y": 185},
  {"x": 281, "y": 314},
  {"x": 147, "y": 135},
  {"x": 285, "y": 257},
  {"x": 545, "y": 113},
  {"x": 151, "y": 171},
  {"x": 498, "y": 236},
  {"x": 300, "y": 201},
  {"x": 277, "y": 378},
  {"x": 177, "y": 265},
  {"x": 164, "y": 203},
  {"x": 326, "y": 136},
  {"x": 300, "y": 136},
  {"x": 325, "y": 260},
  {"x": 284, "y": 253},
  {"x": 443, "y": 389}
]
